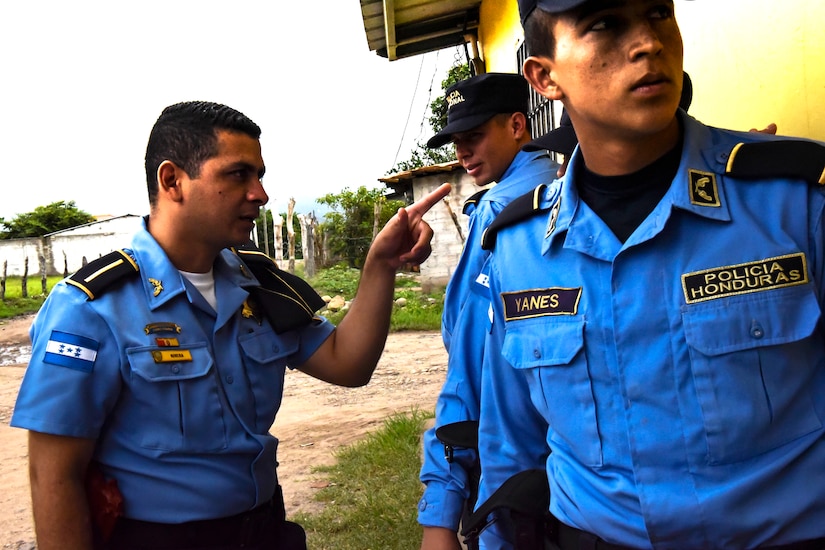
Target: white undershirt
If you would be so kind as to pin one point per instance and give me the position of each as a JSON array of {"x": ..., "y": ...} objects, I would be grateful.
[{"x": 205, "y": 283}]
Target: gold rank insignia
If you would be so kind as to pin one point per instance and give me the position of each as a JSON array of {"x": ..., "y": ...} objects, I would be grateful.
[
  {"x": 156, "y": 285},
  {"x": 153, "y": 328},
  {"x": 703, "y": 189},
  {"x": 250, "y": 310}
]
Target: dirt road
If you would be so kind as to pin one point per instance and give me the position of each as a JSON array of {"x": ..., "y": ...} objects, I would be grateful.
[{"x": 315, "y": 420}]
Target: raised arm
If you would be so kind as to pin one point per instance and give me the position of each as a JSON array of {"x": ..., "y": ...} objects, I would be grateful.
[{"x": 349, "y": 356}]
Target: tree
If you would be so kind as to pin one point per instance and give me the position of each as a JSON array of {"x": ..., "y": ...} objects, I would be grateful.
[
  {"x": 43, "y": 220},
  {"x": 349, "y": 223},
  {"x": 421, "y": 155}
]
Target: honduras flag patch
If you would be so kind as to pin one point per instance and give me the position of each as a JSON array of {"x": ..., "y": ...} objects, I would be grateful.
[{"x": 71, "y": 351}]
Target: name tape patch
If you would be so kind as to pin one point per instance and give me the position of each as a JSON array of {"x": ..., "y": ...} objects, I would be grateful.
[
  {"x": 526, "y": 304},
  {"x": 757, "y": 276},
  {"x": 171, "y": 356}
]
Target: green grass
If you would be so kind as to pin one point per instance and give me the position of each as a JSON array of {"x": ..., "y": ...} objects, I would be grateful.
[
  {"x": 422, "y": 311},
  {"x": 14, "y": 304},
  {"x": 373, "y": 491}
]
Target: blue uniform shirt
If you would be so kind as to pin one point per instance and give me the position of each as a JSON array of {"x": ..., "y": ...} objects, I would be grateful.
[
  {"x": 180, "y": 398},
  {"x": 464, "y": 333},
  {"x": 682, "y": 373}
]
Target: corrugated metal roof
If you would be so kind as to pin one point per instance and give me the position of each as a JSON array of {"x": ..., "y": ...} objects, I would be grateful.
[{"x": 404, "y": 28}]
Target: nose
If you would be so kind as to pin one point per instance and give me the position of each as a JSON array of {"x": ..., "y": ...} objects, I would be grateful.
[
  {"x": 257, "y": 193},
  {"x": 645, "y": 40},
  {"x": 461, "y": 151}
]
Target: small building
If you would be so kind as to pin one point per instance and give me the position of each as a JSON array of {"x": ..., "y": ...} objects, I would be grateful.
[{"x": 446, "y": 219}]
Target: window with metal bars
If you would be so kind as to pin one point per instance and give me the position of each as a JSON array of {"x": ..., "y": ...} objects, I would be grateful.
[{"x": 543, "y": 113}]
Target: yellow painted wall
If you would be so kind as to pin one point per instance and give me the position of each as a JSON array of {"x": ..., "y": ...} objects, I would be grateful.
[
  {"x": 756, "y": 61},
  {"x": 500, "y": 35},
  {"x": 752, "y": 61}
]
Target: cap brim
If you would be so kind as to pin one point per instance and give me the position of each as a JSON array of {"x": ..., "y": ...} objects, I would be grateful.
[
  {"x": 561, "y": 140},
  {"x": 445, "y": 136}
]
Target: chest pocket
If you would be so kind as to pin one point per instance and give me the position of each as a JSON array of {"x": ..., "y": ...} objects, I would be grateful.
[
  {"x": 265, "y": 356},
  {"x": 550, "y": 352},
  {"x": 179, "y": 402},
  {"x": 754, "y": 363}
]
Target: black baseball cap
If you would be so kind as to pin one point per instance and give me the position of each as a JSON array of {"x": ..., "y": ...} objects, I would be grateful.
[
  {"x": 526, "y": 7},
  {"x": 474, "y": 101},
  {"x": 562, "y": 139}
]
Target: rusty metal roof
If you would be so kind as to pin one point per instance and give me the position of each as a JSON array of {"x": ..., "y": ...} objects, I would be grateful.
[{"x": 403, "y": 28}]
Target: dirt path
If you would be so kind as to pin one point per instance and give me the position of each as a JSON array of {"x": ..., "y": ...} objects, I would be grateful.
[{"x": 315, "y": 420}]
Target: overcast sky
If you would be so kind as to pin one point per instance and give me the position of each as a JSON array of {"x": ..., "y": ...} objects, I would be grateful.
[{"x": 83, "y": 82}]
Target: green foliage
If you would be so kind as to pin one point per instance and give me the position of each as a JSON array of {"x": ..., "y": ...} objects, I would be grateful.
[
  {"x": 349, "y": 223},
  {"x": 421, "y": 155},
  {"x": 338, "y": 279},
  {"x": 43, "y": 220},
  {"x": 422, "y": 311},
  {"x": 374, "y": 487}
]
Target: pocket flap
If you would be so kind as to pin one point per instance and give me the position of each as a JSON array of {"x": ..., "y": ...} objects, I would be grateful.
[
  {"x": 547, "y": 342},
  {"x": 157, "y": 364},
  {"x": 748, "y": 322}
]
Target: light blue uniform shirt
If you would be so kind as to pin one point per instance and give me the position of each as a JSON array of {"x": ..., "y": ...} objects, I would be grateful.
[
  {"x": 682, "y": 373},
  {"x": 185, "y": 434},
  {"x": 464, "y": 328}
]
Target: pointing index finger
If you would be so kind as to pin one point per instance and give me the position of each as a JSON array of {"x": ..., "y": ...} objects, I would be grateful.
[{"x": 422, "y": 206}]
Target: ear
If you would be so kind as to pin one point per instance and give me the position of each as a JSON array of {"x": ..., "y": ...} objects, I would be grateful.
[
  {"x": 518, "y": 123},
  {"x": 538, "y": 72},
  {"x": 169, "y": 177}
]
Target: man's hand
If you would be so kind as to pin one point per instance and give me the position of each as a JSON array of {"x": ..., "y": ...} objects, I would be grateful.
[
  {"x": 438, "y": 538},
  {"x": 769, "y": 129},
  {"x": 406, "y": 237}
]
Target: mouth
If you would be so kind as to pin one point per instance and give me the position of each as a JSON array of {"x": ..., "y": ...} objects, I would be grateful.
[
  {"x": 470, "y": 168},
  {"x": 650, "y": 83}
]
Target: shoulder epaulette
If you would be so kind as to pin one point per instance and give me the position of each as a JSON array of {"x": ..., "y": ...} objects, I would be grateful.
[
  {"x": 288, "y": 301},
  {"x": 519, "y": 209},
  {"x": 94, "y": 277},
  {"x": 472, "y": 201},
  {"x": 797, "y": 159}
]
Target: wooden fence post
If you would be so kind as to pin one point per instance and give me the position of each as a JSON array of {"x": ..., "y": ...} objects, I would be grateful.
[
  {"x": 24, "y": 291},
  {"x": 3, "y": 280}
]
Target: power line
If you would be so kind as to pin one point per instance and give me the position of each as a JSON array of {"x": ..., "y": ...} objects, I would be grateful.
[{"x": 409, "y": 111}]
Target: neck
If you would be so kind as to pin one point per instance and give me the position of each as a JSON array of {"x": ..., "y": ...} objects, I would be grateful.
[
  {"x": 617, "y": 155},
  {"x": 185, "y": 251}
]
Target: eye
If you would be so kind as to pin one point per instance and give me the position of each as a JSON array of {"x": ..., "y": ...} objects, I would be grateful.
[{"x": 664, "y": 11}]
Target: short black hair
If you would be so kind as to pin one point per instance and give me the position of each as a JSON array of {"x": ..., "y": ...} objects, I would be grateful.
[
  {"x": 538, "y": 34},
  {"x": 186, "y": 134}
]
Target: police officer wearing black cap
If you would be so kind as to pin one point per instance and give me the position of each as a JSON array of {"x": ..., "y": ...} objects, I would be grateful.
[
  {"x": 663, "y": 300},
  {"x": 487, "y": 122}
]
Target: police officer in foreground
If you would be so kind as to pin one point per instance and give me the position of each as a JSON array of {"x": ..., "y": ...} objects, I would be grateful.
[
  {"x": 664, "y": 301},
  {"x": 487, "y": 123},
  {"x": 157, "y": 371}
]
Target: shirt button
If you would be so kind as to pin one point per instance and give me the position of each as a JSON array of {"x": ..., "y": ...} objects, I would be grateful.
[
  {"x": 230, "y": 379},
  {"x": 176, "y": 369},
  {"x": 757, "y": 331},
  {"x": 422, "y": 505},
  {"x": 537, "y": 353},
  {"x": 276, "y": 349}
]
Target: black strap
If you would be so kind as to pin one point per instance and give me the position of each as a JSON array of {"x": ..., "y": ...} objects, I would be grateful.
[{"x": 288, "y": 301}]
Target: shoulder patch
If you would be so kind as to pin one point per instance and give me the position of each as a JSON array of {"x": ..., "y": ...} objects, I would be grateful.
[
  {"x": 288, "y": 301},
  {"x": 99, "y": 274},
  {"x": 472, "y": 201},
  {"x": 519, "y": 209},
  {"x": 798, "y": 159}
]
